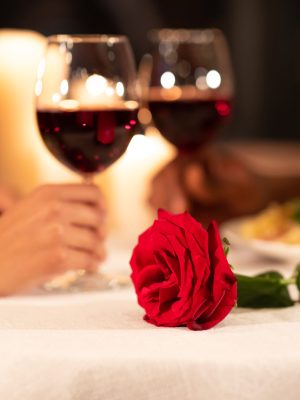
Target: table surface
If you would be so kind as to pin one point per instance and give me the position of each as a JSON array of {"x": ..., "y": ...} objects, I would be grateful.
[{"x": 96, "y": 346}]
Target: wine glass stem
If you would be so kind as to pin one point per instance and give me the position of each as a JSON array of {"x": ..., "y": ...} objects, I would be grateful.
[{"x": 88, "y": 178}]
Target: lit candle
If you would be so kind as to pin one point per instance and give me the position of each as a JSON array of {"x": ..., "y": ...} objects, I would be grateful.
[
  {"x": 130, "y": 179},
  {"x": 98, "y": 92}
]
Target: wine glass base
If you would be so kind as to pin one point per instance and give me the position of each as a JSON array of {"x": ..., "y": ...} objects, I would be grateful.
[{"x": 74, "y": 282}]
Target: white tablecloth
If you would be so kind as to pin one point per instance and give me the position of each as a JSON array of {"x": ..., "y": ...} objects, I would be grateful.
[{"x": 96, "y": 346}]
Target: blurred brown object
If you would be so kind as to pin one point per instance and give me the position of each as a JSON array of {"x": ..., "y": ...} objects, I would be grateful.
[
  {"x": 7, "y": 199},
  {"x": 228, "y": 180}
]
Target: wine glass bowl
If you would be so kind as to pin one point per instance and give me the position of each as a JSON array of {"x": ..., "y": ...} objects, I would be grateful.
[
  {"x": 87, "y": 100},
  {"x": 188, "y": 84}
]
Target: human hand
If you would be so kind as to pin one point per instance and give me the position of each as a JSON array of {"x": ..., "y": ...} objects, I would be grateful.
[
  {"x": 167, "y": 191},
  {"x": 55, "y": 228},
  {"x": 211, "y": 185}
]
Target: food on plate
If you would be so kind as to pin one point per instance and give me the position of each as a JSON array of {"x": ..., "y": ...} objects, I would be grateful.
[{"x": 278, "y": 222}]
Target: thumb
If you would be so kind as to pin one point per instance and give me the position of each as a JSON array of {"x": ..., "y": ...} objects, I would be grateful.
[{"x": 198, "y": 185}]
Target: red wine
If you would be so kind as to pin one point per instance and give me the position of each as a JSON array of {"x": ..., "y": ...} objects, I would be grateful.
[
  {"x": 188, "y": 123},
  {"x": 87, "y": 140}
]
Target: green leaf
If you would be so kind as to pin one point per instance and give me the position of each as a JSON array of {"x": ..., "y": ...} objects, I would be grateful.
[
  {"x": 267, "y": 290},
  {"x": 226, "y": 241}
]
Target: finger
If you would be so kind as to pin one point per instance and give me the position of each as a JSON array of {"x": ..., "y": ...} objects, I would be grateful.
[
  {"x": 85, "y": 193},
  {"x": 196, "y": 184},
  {"x": 155, "y": 201},
  {"x": 166, "y": 191},
  {"x": 57, "y": 260},
  {"x": 205, "y": 186},
  {"x": 81, "y": 238},
  {"x": 178, "y": 204},
  {"x": 100, "y": 251},
  {"x": 102, "y": 231},
  {"x": 84, "y": 215},
  {"x": 76, "y": 259}
]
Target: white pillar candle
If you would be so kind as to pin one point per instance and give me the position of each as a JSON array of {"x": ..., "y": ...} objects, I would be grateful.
[
  {"x": 130, "y": 183},
  {"x": 24, "y": 160}
]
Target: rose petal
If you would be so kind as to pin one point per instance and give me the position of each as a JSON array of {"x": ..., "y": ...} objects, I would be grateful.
[
  {"x": 151, "y": 273},
  {"x": 224, "y": 308},
  {"x": 186, "y": 222},
  {"x": 167, "y": 296},
  {"x": 169, "y": 265}
]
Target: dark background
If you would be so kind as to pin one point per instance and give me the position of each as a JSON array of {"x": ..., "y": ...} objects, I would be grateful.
[{"x": 263, "y": 35}]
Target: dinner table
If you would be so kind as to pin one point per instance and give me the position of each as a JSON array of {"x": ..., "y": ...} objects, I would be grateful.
[{"x": 96, "y": 345}]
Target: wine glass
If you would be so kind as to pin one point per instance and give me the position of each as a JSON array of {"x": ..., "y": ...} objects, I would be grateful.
[
  {"x": 87, "y": 103},
  {"x": 187, "y": 84}
]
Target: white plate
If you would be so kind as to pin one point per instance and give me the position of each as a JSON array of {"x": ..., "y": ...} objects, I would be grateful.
[{"x": 273, "y": 249}]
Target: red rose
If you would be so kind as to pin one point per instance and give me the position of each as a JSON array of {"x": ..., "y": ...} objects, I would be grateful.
[{"x": 181, "y": 274}]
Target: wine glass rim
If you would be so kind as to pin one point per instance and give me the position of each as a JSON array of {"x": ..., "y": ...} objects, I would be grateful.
[
  {"x": 181, "y": 35},
  {"x": 87, "y": 38}
]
